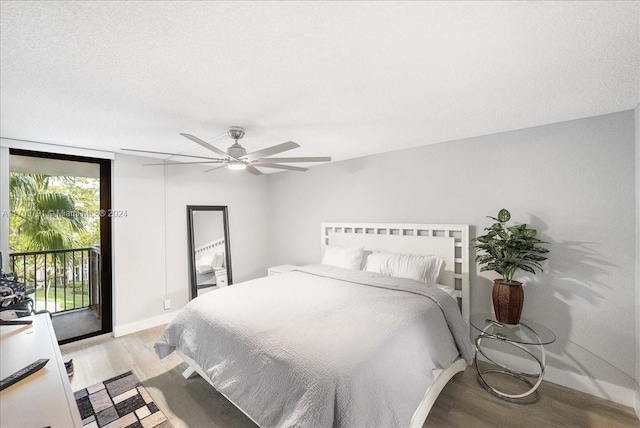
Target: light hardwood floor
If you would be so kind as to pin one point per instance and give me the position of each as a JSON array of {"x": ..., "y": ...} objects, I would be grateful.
[{"x": 194, "y": 403}]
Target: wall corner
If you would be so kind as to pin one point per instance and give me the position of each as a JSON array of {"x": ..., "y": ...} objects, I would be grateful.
[
  {"x": 636, "y": 406},
  {"x": 637, "y": 302}
]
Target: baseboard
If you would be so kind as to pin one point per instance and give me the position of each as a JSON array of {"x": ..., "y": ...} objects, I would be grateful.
[
  {"x": 124, "y": 329},
  {"x": 637, "y": 406},
  {"x": 623, "y": 394},
  {"x": 599, "y": 388}
]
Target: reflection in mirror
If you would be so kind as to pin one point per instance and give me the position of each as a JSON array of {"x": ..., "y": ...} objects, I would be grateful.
[{"x": 209, "y": 255}]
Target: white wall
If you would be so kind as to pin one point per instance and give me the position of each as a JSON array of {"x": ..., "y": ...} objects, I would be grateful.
[
  {"x": 138, "y": 241},
  {"x": 637, "y": 129},
  {"x": 208, "y": 226},
  {"x": 247, "y": 199},
  {"x": 142, "y": 278},
  {"x": 573, "y": 181}
]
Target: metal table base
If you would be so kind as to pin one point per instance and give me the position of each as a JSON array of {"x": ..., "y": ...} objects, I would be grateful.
[{"x": 503, "y": 369}]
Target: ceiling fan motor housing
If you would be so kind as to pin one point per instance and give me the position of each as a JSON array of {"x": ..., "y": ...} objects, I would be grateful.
[{"x": 236, "y": 150}]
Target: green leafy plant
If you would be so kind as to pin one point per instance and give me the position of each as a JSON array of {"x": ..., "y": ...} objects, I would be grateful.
[
  {"x": 43, "y": 213},
  {"x": 505, "y": 249}
]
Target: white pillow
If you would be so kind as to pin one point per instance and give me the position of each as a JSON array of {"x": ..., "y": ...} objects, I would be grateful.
[
  {"x": 376, "y": 260},
  {"x": 344, "y": 257},
  {"x": 206, "y": 259},
  {"x": 423, "y": 268},
  {"x": 204, "y": 264}
]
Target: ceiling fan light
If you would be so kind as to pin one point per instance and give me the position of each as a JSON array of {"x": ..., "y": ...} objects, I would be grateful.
[{"x": 237, "y": 165}]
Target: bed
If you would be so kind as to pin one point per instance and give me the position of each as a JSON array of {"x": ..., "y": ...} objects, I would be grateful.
[{"x": 328, "y": 346}]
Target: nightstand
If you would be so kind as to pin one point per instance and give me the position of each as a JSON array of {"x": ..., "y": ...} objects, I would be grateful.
[
  {"x": 280, "y": 269},
  {"x": 221, "y": 278},
  {"x": 526, "y": 333}
]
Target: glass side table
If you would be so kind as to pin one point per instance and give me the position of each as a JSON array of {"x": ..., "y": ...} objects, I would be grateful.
[{"x": 527, "y": 333}]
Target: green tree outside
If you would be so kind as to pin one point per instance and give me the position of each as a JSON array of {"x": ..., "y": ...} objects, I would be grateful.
[{"x": 53, "y": 213}]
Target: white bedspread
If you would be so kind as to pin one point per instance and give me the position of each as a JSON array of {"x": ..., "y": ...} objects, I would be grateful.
[{"x": 322, "y": 346}]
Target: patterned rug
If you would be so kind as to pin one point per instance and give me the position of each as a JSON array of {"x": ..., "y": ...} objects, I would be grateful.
[{"x": 120, "y": 402}]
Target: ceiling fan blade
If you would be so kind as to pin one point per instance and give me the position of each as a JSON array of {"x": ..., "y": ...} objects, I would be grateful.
[
  {"x": 191, "y": 148},
  {"x": 186, "y": 163},
  {"x": 289, "y": 167},
  {"x": 252, "y": 170},
  {"x": 169, "y": 154},
  {"x": 279, "y": 148},
  {"x": 288, "y": 160},
  {"x": 206, "y": 145},
  {"x": 213, "y": 169}
]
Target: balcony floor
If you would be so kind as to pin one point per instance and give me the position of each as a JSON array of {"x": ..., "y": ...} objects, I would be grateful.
[{"x": 75, "y": 323}]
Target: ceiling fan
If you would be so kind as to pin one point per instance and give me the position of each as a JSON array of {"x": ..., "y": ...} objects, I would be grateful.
[{"x": 236, "y": 156}]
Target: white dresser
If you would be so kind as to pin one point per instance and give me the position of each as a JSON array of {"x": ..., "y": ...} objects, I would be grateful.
[
  {"x": 221, "y": 277},
  {"x": 43, "y": 399}
]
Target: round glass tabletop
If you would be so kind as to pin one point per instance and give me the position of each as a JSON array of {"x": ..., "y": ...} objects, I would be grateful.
[{"x": 525, "y": 333}]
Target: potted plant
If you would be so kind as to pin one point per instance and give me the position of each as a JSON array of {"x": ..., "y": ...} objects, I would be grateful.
[{"x": 505, "y": 249}]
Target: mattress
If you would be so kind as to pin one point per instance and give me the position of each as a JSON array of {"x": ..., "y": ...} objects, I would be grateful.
[{"x": 322, "y": 346}]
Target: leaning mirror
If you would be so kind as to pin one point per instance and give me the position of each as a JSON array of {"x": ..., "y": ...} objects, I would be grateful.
[{"x": 209, "y": 254}]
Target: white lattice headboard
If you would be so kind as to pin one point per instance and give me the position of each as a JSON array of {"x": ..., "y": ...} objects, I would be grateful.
[
  {"x": 213, "y": 247},
  {"x": 449, "y": 241}
]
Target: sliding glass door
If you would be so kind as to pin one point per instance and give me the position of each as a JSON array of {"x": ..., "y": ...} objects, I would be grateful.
[{"x": 60, "y": 238}]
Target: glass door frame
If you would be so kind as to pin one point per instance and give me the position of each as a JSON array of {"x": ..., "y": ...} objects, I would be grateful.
[{"x": 106, "y": 275}]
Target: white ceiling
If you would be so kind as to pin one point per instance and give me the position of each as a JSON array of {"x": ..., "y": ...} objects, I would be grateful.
[{"x": 343, "y": 79}]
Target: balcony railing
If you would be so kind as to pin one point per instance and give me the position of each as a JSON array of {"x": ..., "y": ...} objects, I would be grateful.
[{"x": 60, "y": 280}]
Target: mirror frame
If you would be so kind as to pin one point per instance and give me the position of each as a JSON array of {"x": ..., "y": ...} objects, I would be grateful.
[{"x": 192, "y": 262}]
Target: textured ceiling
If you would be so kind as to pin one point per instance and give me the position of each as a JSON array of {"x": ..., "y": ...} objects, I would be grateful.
[{"x": 343, "y": 79}]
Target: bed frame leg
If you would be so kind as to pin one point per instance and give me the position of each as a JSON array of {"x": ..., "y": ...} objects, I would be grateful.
[{"x": 189, "y": 372}]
